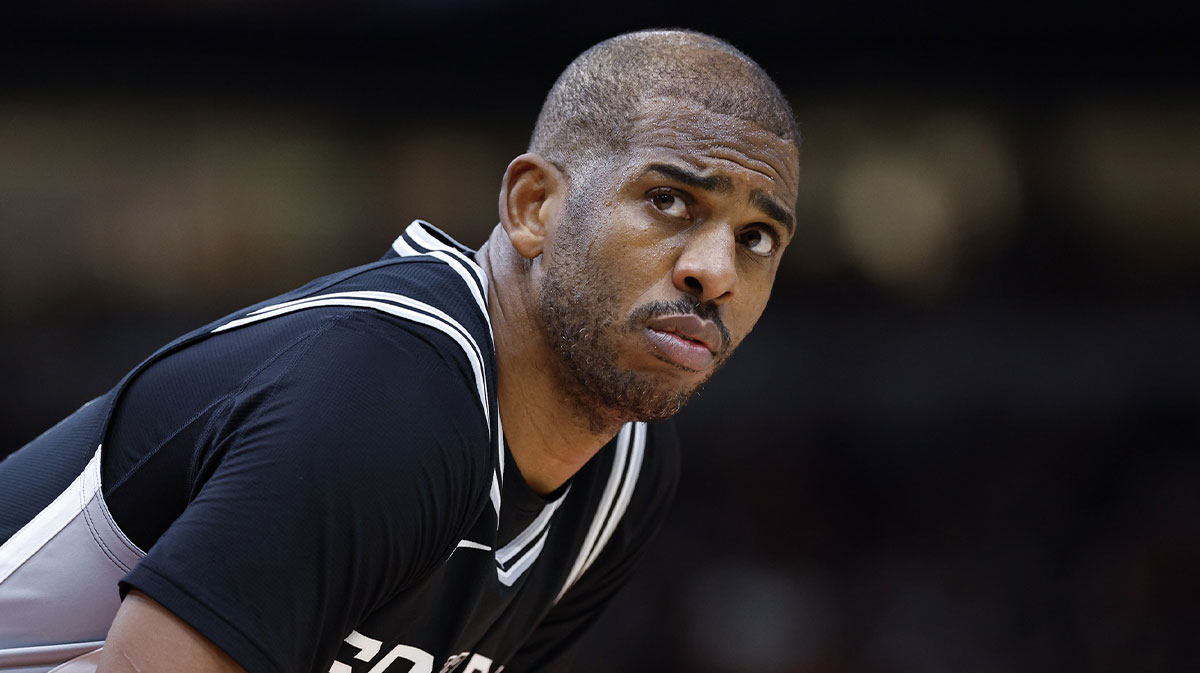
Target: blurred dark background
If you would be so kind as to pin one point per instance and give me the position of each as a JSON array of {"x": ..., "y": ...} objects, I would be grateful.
[{"x": 964, "y": 434}]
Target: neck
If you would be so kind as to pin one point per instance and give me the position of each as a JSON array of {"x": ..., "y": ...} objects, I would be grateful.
[{"x": 549, "y": 435}]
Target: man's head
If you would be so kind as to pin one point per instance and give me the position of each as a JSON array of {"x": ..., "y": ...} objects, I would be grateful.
[
  {"x": 653, "y": 207},
  {"x": 589, "y": 111}
]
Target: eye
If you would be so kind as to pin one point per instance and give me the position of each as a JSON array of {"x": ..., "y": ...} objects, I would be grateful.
[
  {"x": 759, "y": 241},
  {"x": 669, "y": 204}
]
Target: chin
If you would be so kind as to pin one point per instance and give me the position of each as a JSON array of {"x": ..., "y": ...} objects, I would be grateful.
[
  {"x": 611, "y": 397},
  {"x": 655, "y": 397}
]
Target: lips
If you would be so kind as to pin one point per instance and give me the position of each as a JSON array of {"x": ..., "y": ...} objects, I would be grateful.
[{"x": 687, "y": 341}]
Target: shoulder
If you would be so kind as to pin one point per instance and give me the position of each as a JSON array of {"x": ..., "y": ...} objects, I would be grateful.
[
  {"x": 355, "y": 425},
  {"x": 424, "y": 271},
  {"x": 365, "y": 380},
  {"x": 424, "y": 312},
  {"x": 395, "y": 353}
]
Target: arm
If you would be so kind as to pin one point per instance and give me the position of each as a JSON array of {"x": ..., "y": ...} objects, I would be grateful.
[{"x": 145, "y": 636}]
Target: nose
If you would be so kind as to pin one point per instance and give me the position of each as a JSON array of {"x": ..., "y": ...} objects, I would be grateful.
[{"x": 706, "y": 266}]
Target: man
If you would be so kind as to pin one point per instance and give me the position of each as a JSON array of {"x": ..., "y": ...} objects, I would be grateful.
[{"x": 322, "y": 482}]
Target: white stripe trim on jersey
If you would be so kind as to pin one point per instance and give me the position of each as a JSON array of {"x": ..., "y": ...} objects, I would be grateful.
[
  {"x": 425, "y": 315},
  {"x": 500, "y": 445},
  {"x": 421, "y": 235},
  {"x": 366, "y": 294},
  {"x": 461, "y": 264},
  {"x": 508, "y": 577},
  {"x": 50, "y": 521},
  {"x": 463, "y": 273},
  {"x": 602, "y": 510},
  {"x": 508, "y": 551},
  {"x": 470, "y": 544},
  {"x": 363, "y": 294},
  {"x": 510, "y": 566},
  {"x": 494, "y": 495},
  {"x": 631, "y": 444},
  {"x": 287, "y": 306},
  {"x": 498, "y": 471},
  {"x": 438, "y": 320},
  {"x": 638, "y": 447},
  {"x": 403, "y": 249}
]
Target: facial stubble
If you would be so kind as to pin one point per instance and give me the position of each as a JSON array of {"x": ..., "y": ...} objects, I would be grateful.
[{"x": 578, "y": 307}]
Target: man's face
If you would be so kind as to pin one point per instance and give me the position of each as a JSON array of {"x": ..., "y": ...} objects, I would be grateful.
[{"x": 664, "y": 259}]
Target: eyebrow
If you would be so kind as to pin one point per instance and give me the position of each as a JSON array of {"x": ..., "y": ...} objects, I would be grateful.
[
  {"x": 713, "y": 183},
  {"x": 774, "y": 210},
  {"x": 723, "y": 185}
]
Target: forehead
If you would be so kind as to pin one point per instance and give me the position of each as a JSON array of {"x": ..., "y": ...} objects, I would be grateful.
[{"x": 714, "y": 143}]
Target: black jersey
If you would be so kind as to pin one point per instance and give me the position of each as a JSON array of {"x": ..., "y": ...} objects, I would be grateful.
[{"x": 320, "y": 483}]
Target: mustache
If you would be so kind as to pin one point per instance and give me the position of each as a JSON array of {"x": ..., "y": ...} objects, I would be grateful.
[{"x": 683, "y": 305}]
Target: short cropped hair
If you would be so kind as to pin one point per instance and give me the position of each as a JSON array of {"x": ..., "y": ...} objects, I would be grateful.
[{"x": 590, "y": 110}]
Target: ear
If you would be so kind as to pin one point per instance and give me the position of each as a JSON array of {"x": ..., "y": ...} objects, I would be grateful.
[{"x": 531, "y": 199}]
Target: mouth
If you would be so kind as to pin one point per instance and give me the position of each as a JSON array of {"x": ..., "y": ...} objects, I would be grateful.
[{"x": 686, "y": 341}]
